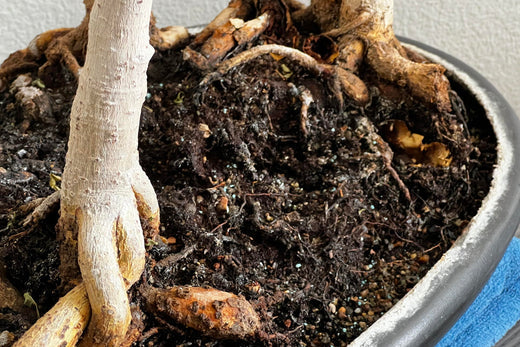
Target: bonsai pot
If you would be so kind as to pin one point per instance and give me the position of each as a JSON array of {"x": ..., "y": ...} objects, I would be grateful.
[{"x": 440, "y": 298}]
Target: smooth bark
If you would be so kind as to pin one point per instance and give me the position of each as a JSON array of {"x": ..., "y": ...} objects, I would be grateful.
[{"x": 102, "y": 179}]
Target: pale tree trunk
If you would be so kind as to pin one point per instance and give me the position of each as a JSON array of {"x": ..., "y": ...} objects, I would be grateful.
[
  {"x": 102, "y": 175},
  {"x": 104, "y": 188},
  {"x": 106, "y": 197}
]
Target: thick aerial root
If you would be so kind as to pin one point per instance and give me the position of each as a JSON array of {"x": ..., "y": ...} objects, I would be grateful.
[
  {"x": 62, "y": 325},
  {"x": 119, "y": 254},
  {"x": 213, "y": 312},
  {"x": 233, "y": 33},
  {"x": 343, "y": 81},
  {"x": 103, "y": 233},
  {"x": 144, "y": 217},
  {"x": 426, "y": 81}
]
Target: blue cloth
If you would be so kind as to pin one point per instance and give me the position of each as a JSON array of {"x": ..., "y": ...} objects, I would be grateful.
[{"x": 496, "y": 309}]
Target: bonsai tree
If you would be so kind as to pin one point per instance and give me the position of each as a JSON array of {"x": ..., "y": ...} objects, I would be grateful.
[{"x": 108, "y": 206}]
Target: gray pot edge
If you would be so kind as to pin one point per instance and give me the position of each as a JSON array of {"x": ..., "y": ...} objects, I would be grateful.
[{"x": 429, "y": 310}]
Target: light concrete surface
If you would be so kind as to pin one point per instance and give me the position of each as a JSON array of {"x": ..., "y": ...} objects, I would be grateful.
[{"x": 483, "y": 33}]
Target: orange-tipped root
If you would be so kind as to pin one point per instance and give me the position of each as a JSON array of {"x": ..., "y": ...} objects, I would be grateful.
[{"x": 214, "y": 313}]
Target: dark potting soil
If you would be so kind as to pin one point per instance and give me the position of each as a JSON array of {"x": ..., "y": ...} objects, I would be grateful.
[{"x": 298, "y": 214}]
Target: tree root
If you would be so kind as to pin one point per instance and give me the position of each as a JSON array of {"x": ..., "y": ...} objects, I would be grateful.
[
  {"x": 27, "y": 59},
  {"x": 412, "y": 147},
  {"x": 361, "y": 35},
  {"x": 306, "y": 99},
  {"x": 168, "y": 37},
  {"x": 232, "y": 34},
  {"x": 43, "y": 208},
  {"x": 62, "y": 325},
  {"x": 119, "y": 249},
  {"x": 236, "y": 9},
  {"x": 343, "y": 81},
  {"x": 214, "y": 313},
  {"x": 363, "y": 30},
  {"x": 381, "y": 147},
  {"x": 36, "y": 211},
  {"x": 67, "y": 47},
  {"x": 65, "y": 322}
]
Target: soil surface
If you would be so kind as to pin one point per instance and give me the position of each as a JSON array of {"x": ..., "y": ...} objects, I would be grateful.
[{"x": 298, "y": 214}]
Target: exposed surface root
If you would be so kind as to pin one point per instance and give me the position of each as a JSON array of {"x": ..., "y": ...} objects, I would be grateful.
[
  {"x": 306, "y": 99},
  {"x": 45, "y": 205},
  {"x": 213, "y": 312},
  {"x": 364, "y": 33},
  {"x": 168, "y": 37},
  {"x": 65, "y": 322},
  {"x": 346, "y": 38},
  {"x": 67, "y": 47},
  {"x": 235, "y": 9},
  {"x": 381, "y": 146},
  {"x": 119, "y": 251},
  {"x": 62, "y": 325},
  {"x": 27, "y": 58},
  {"x": 234, "y": 33},
  {"x": 342, "y": 80},
  {"x": 426, "y": 81}
]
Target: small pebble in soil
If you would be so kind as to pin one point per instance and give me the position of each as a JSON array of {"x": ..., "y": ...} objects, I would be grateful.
[
  {"x": 342, "y": 313},
  {"x": 21, "y": 153}
]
